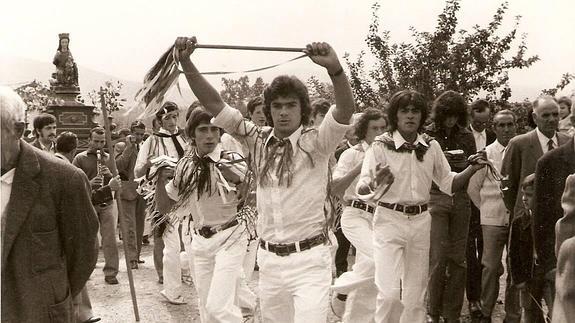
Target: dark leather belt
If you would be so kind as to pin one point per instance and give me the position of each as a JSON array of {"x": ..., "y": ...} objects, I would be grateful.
[
  {"x": 362, "y": 206},
  {"x": 207, "y": 231},
  {"x": 407, "y": 209},
  {"x": 286, "y": 249}
]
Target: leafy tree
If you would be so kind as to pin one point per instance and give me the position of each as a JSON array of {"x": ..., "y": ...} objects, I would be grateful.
[
  {"x": 563, "y": 82},
  {"x": 112, "y": 100},
  {"x": 320, "y": 90},
  {"x": 470, "y": 62},
  {"x": 238, "y": 92},
  {"x": 37, "y": 96}
]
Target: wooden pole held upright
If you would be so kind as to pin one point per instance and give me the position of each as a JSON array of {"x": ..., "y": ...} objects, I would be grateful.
[{"x": 117, "y": 196}]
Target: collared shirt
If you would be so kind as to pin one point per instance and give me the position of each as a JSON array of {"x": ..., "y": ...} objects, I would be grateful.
[
  {"x": 289, "y": 213},
  {"x": 6, "y": 187},
  {"x": 214, "y": 208},
  {"x": 485, "y": 191},
  {"x": 51, "y": 149},
  {"x": 348, "y": 160},
  {"x": 156, "y": 146},
  {"x": 544, "y": 140},
  {"x": 480, "y": 138},
  {"x": 412, "y": 178}
]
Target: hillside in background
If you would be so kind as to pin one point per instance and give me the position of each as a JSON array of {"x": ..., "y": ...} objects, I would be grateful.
[{"x": 18, "y": 71}]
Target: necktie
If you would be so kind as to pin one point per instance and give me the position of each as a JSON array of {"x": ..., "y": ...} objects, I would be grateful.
[
  {"x": 550, "y": 145},
  {"x": 176, "y": 142}
]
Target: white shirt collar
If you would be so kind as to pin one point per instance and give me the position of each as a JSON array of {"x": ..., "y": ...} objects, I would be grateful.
[
  {"x": 399, "y": 140},
  {"x": 497, "y": 145},
  {"x": 293, "y": 138},
  {"x": 544, "y": 139},
  {"x": 364, "y": 145},
  {"x": 8, "y": 178},
  {"x": 216, "y": 154},
  {"x": 164, "y": 131}
]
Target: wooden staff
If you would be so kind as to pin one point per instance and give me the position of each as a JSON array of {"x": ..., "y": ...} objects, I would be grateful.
[
  {"x": 260, "y": 48},
  {"x": 117, "y": 196}
]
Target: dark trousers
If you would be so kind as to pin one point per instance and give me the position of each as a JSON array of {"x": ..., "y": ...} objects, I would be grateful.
[
  {"x": 539, "y": 288},
  {"x": 159, "y": 252},
  {"x": 342, "y": 252},
  {"x": 135, "y": 215},
  {"x": 474, "y": 254},
  {"x": 449, "y": 226}
]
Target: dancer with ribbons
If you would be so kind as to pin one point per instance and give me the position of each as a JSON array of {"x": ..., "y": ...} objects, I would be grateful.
[
  {"x": 396, "y": 175},
  {"x": 291, "y": 166}
]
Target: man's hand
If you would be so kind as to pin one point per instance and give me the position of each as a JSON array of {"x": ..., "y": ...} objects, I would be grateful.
[
  {"x": 383, "y": 176},
  {"x": 186, "y": 46},
  {"x": 478, "y": 160},
  {"x": 115, "y": 183},
  {"x": 323, "y": 55},
  {"x": 165, "y": 174},
  {"x": 97, "y": 181}
]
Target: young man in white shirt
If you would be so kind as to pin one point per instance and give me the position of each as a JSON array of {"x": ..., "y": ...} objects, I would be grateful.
[
  {"x": 356, "y": 223},
  {"x": 205, "y": 188},
  {"x": 397, "y": 173},
  {"x": 291, "y": 169},
  {"x": 485, "y": 191}
]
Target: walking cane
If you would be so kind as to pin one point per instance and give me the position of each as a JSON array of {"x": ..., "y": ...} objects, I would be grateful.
[{"x": 117, "y": 197}]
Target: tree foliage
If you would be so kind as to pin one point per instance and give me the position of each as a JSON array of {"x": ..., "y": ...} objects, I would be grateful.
[
  {"x": 238, "y": 92},
  {"x": 470, "y": 62},
  {"x": 37, "y": 96},
  {"x": 563, "y": 82},
  {"x": 320, "y": 90},
  {"x": 112, "y": 100}
]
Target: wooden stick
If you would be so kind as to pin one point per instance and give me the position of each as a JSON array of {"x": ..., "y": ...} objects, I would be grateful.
[
  {"x": 260, "y": 48},
  {"x": 117, "y": 197}
]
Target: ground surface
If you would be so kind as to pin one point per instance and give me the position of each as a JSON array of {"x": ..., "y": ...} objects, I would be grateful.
[{"x": 113, "y": 303}]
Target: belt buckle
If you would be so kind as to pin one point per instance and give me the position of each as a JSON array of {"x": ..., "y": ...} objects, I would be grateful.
[
  {"x": 411, "y": 209},
  {"x": 206, "y": 232},
  {"x": 281, "y": 250}
]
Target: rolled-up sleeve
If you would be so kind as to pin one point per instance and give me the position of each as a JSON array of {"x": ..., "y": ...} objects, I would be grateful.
[
  {"x": 330, "y": 133},
  {"x": 374, "y": 155},
  {"x": 233, "y": 122},
  {"x": 442, "y": 174},
  {"x": 344, "y": 164}
]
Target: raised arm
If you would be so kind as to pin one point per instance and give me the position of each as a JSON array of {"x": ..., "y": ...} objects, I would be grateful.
[
  {"x": 203, "y": 90},
  {"x": 323, "y": 55}
]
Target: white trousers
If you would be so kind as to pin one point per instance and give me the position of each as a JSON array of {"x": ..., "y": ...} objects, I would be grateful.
[
  {"x": 359, "y": 283},
  {"x": 246, "y": 297},
  {"x": 218, "y": 266},
  {"x": 295, "y": 288},
  {"x": 171, "y": 260},
  {"x": 401, "y": 254}
]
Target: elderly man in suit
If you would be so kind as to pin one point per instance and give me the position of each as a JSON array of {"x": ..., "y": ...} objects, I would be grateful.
[
  {"x": 48, "y": 226},
  {"x": 525, "y": 150},
  {"x": 564, "y": 306}
]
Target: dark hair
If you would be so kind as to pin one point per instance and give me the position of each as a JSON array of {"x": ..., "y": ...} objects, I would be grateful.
[
  {"x": 403, "y": 99},
  {"x": 166, "y": 108},
  {"x": 41, "y": 121},
  {"x": 97, "y": 130},
  {"x": 197, "y": 117},
  {"x": 450, "y": 103},
  {"x": 505, "y": 112},
  {"x": 528, "y": 181},
  {"x": 565, "y": 100},
  {"x": 362, "y": 123},
  {"x": 319, "y": 106},
  {"x": 192, "y": 107},
  {"x": 66, "y": 142},
  {"x": 60, "y": 43},
  {"x": 253, "y": 103},
  {"x": 124, "y": 132},
  {"x": 479, "y": 106},
  {"x": 284, "y": 86},
  {"x": 137, "y": 125}
]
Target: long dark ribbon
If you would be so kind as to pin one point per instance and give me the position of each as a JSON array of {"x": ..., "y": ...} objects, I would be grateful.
[
  {"x": 251, "y": 70},
  {"x": 175, "y": 140}
]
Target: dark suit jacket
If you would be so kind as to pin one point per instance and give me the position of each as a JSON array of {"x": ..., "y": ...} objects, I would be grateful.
[
  {"x": 564, "y": 304},
  {"x": 521, "y": 264},
  {"x": 125, "y": 162},
  {"x": 490, "y": 136},
  {"x": 552, "y": 170},
  {"x": 49, "y": 247},
  {"x": 520, "y": 160},
  {"x": 36, "y": 143}
]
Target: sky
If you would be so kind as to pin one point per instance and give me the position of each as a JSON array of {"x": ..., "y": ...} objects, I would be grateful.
[{"x": 124, "y": 38}]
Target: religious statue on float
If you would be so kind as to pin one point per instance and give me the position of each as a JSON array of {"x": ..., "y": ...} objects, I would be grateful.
[{"x": 66, "y": 74}]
